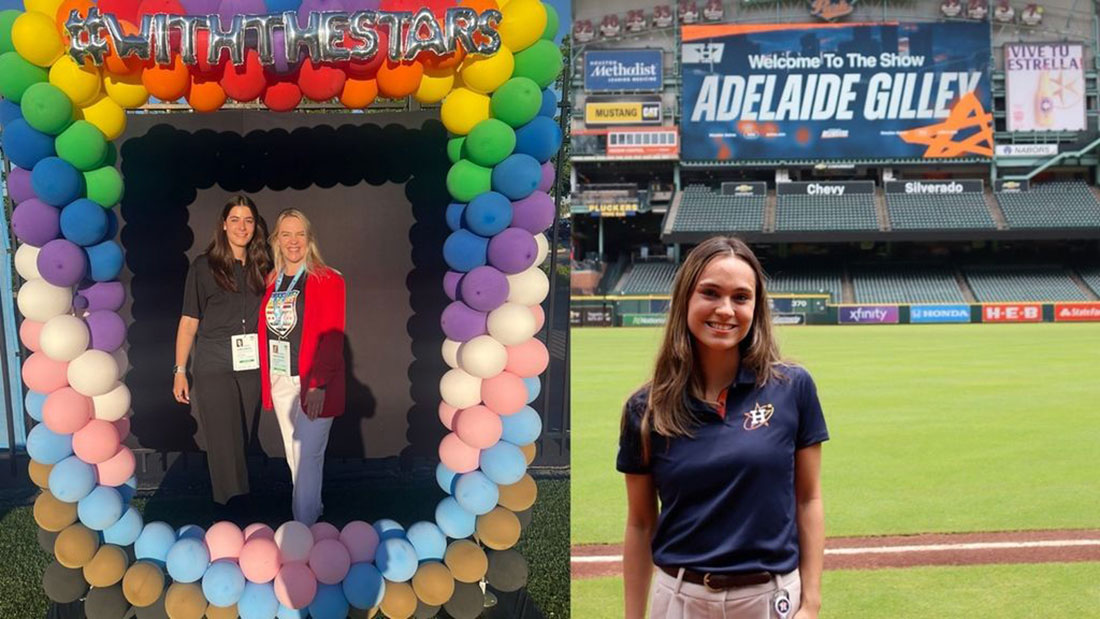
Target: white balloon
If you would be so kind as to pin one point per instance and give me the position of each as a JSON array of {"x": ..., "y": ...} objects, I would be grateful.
[
  {"x": 543, "y": 248},
  {"x": 93, "y": 373},
  {"x": 528, "y": 287},
  {"x": 459, "y": 389},
  {"x": 483, "y": 357},
  {"x": 122, "y": 360},
  {"x": 113, "y": 405},
  {"x": 512, "y": 324},
  {"x": 450, "y": 352},
  {"x": 26, "y": 262},
  {"x": 294, "y": 540},
  {"x": 40, "y": 300},
  {"x": 64, "y": 337}
]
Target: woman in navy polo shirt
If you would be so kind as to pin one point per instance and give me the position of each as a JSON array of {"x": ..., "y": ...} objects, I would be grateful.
[{"x": 727, "y": 436}]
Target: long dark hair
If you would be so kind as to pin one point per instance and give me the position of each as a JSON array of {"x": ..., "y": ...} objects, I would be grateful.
[{"x": 257, "y": 255}]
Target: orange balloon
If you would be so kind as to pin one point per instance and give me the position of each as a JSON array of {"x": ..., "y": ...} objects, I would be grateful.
[
  {"x": 205, "y": 95},
  {"x": 358, "y": 93},
  {"x": 399, "y": 79},
  {"x": 480, "y": 5},
  {"x": 433, "y": 62},
  {"x": 167, "y": 82},
  {"x": 66, "y": 7},
  {"x": 117, "y": 65}
]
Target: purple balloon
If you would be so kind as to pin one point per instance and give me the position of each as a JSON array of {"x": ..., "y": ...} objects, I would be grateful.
[
  {"x": 80, "y": 303},
  {"x": 318, "y": 6},
  {"x": 35, "y": 222},
  {"x": 62, "y": 263},
  {"x": 19, "y": 185},
  {"x": 102, "y": 296},
  {"x": 484, "y": 289},
  {"x": 108, "y": 330},
  {"x": 513, "y": 250},
  {"x": 462, "y": 324},
  {"x": 200, "y": 7},
  {"x": 534, "y": 213},
  {"x": 228, "y": 8},
  {"x": 548, "y": 175},
  {"x": 361, "y": 5},
  {"x": 450, "y": 284},
  {"x": 281, "y": 65}
]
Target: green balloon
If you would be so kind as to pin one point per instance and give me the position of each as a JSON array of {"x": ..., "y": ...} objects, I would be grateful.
[
  {"x": 111, "y": 158},
  {"x": 466, "y": 180},
  {"x": 551, "y": 23},
  {"x": 541, "y": 62},
  {"x": 7, "y": 18},
  {"x": 517, "y": 101},
  {"x": 489, "y": 142},
  {"x": 454, "y": 148},
  {"x": 104, "y": 186},
  {"x": 16, "y": 75},
  {"x": 47, "y": 108},
  {"x": 82, "y": 145}
]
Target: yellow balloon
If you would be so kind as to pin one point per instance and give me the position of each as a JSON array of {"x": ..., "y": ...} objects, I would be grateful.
[
  {"x": 529, "y": 452},
  {"x": 46, "y": 7},
  {"x": 499, "y": 529},
  {"x": 433, "y": 583},
  {"x": 399, "y": 601},
  {"x": 433, "y": 88},
  {"x": 466, "y": 560},
  {"x": 221, "y": 612},
  {"x": 142, "y": 584},
  {"x": 36, "y": 38},
  {"x": 463, "y": 109},
  {"x": 522, "y": 23},
  {"x": 75, "y": 546},
  {"x": 106, "y": 115},
  {"x": 40, "y": 473},
  {"x": 520, "y": 495},
  {"x": 81, "y": 83},
  {"x": 184, "y": 601},
  {"x": 51, "y": 514},
  {"x": 126, "y": 90},
  {"x": 486, "y": 73},
  {"x": 107, "y": 567}
]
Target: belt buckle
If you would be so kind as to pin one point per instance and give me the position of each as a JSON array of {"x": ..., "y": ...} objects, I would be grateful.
[{"x": 706, "y": 582}]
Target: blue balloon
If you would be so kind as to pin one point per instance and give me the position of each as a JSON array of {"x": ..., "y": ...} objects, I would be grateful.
[
  {"x": 292, "y": 613},
  {"x": 476, "y": 493},
  {"x": 549, "y": 107},
  {"x": 223, "y": 583},
  {"x": 488, "y": 214},
  {"x": 534, "y": 387},
  {"x": 56, "y": 181},
  {"x": 396, "y": 559},
  {"x": 106, "y": 261},
  {"x": 126, "y": 531},
  {"x": 329, "y": 603},
  {"x": 364, "y": 586},
  {"x": 258, "y": 601},
  {"x": 445, "y": 477},
  {"x": 428, "y": 541},
  {"x": 191, "y": 531},
  {"x": 47, "y": 447},
  {"x": 456, "y": 522},
  {"x": 465, "y": 251},
  {"x": 128, "y": 489},
  {"x": 389, "y": 529},
  {"x": 517, "y": 176},
  {"x": 454, "y": 215},
  {"x": 84, "y": 222},
  {"x": 187, "y": 560},
  {"x": 540, "y": 138},
  {"x": 33, "y": 402},
  {"x": 24, "y": 145},
  {"x": 280, "y": 6},
  {"x": 521, "y": 428},
  {"x": 155, "y": 541},
  {"x": 9, "y": 111},
  {"x": 72, "y": 479},
  {"x": 101, "y": 508},
  {"x": 112, "y": 224},
  {"x": 503, "y": 463}
]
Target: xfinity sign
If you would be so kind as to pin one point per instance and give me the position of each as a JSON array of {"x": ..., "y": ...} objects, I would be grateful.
[
  {"x": 623, "y": 70},
  {"x": 867, "y": 314}
]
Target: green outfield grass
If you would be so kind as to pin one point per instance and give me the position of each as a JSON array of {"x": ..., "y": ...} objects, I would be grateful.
[
  {"x": 935, "y": 428},
  {"x": 1002, "y": 591}
]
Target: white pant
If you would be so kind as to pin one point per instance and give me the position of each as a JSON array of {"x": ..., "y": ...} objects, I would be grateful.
[
  {"x": 672, "y": 598},
  {"x": 304, "y": 442}
]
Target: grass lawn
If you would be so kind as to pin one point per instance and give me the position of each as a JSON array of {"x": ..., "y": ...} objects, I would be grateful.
[
  {"x": 935, "y": 428},
  {"x": 1002, "y": 591}
]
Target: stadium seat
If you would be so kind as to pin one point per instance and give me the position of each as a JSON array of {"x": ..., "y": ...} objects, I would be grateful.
[
  {"x": 1022, "y": 283},
  {"x": 806, "y": 281},
  {"x": 1091, "y": 276},
  {"x": 804, "y": 213},
  {"x": 931, "y": 212},
  {"x": 648, "y": 278},
  {"x": 905, "y": 284},
  {"x": 1051, "y": 205},
  {"x": 704, "y": 210}
]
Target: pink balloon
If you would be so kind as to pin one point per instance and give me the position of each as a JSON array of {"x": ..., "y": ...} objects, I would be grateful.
[
  {"x": 329, "y": 561},
  {"x": 295, "y": 585},
  {"x": 65, "y": 411},
  {"x": 96, "y": 442},
  {"x": 528, "y": 359},
  {"x": 295, "y": 541},
  {"x": 446, "y": 414},
  {"x": 224, "y": 539},
  {"x": 42, "y": 374},
  {"x": 258, "y": 530},
  {"x": 117, "y": 469},
  {"x": 260, "y": 559},
  {"x": 29, "y": 332},
  {"x": 504, "y": 394},
  {"x": 361, "y": 540},
  {"x": 323, "y": 530},
  {"x": 540, "y": 317},
  {"x": 123, "y": 427},
  {"x": 478, "y": 427},
  {"x": 458, "y": 456}
]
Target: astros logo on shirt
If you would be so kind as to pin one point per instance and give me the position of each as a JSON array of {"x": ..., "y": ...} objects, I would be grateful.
[{"x": 758, "y": 416}]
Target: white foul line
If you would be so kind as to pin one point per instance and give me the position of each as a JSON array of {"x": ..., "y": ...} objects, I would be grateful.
[{"x": 1057, "y": 543}]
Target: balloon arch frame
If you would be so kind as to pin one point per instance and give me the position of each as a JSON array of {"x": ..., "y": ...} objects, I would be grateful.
[{"x": 59, "y": 118}]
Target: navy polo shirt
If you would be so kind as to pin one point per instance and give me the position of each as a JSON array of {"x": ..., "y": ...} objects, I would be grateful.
[{"x": 727, "y": 493}]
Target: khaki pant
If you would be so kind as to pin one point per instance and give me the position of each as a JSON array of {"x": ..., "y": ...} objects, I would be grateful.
[{"x": 672, "y": 598}]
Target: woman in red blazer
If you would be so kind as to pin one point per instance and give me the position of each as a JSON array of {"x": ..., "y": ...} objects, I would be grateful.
[{"x": 301, "y": 332}]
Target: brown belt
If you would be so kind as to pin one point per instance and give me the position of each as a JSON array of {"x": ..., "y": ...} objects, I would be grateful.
[{"x": 719, "y": 581}]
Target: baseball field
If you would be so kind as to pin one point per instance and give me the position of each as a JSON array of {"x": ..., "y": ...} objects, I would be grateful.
[{"x": 962, "y": 478}]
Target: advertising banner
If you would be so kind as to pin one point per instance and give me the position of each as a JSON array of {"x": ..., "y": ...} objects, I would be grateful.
[
  {"x": 1045, "y": 85},
  {"x": 1012, "y": 312},
  {"x": 644, "y": 320},
  {"x": 939, "y": 313},
  {"x": 742, "y": 189},
  {"x": 1011, "y": 186},
  {"x": 623, "y": 69},
  {"x": 836, "y": 91},
  {"x": 1026, "y": 150},
  {"x": 597, "y": 316},
  {"x": 638, "y": 110},
  {"x": 615, "y": 208},
  {"x": 915, "y": 188},
  {"x": 1077, "y": 312},
  {"x": 825, "y": 188},
  {"x": 658, "y": 142},
  {"x": 788, "y": 319},
  {"x": 867, "y": 314}
]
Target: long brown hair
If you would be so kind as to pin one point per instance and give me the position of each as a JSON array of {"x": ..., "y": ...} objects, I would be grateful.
[
  {"x": 676, "y": 373},
  {"x": 257, "y": 255}
]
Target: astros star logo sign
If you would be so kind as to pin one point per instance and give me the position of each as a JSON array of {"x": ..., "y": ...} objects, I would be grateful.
[
  {"x": 967, "y": 117},
  {"x": 758, "y": 416}
]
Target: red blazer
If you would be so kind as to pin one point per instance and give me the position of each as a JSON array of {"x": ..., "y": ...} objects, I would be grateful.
[{"x": 321, "y": 355}]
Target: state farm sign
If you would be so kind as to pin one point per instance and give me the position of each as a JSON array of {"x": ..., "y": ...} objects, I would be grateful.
[
  {"x": 1012, "y": 312},
  {"x": 1080, "y": 312}
]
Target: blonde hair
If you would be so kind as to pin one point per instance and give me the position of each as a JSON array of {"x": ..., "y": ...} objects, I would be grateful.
[{"x": 313, "y": 262}]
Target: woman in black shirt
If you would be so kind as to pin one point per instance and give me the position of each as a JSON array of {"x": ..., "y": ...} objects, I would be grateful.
[{"x": 220, "y": 303}]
